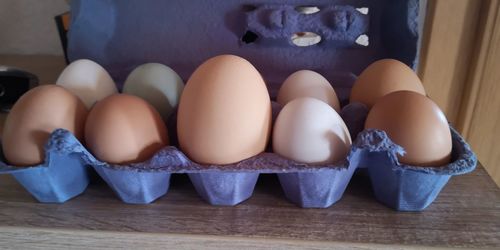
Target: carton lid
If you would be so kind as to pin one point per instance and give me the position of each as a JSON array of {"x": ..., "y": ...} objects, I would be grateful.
[{"x": 345, "y": 36}]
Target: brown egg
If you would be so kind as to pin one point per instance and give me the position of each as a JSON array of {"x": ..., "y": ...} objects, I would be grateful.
[
  {"x": 417, "y": 124},
  {"x": 307, "y": 83},
  {"x": 34, "y": 117},
  {"x": 224, "y": 113},
  {"x": 384, "y": 77},
  {"x": 124, "y": 129}
]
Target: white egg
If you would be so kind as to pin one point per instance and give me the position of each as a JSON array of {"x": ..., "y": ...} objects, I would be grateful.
[
  {"x": 157, "y": 84},
  {"x": 310, "y": 131},
  {"x": 87, "y": 80}
]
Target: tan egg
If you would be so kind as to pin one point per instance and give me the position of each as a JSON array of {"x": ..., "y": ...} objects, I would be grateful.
[
  {"x": 224, "y": 113},
  {"x": 124, "y": 129},
  {"x": 307, "y": 83},
  {"x": 34, "y": 117},
  {"x": 384, "y": 77},
  {"x": 417, "y": 124},
  {"x": 308, "y": 130}
]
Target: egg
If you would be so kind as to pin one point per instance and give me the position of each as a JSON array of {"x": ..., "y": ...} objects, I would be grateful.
[
  {"x": 88, "y": 80},
  {"x": 224, "y": 114},
  {"x": 123, "y": 129},
  {"x": 308, "y": 130},
  {"x": 157, "y": 84},
  {"x": 307, "y": 83},
  {"x": 417, "y": 124},
  {"x": 384, "y": 77},
  {"x": 34, "y": 117}
]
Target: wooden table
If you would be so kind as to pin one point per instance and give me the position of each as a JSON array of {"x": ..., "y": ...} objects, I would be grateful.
[{"x": 466, "y": 214}]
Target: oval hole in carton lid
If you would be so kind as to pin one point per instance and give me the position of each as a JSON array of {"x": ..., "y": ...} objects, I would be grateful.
[
  {"x": 305, "y": 39},
  {"x": 307, "y": 10}
]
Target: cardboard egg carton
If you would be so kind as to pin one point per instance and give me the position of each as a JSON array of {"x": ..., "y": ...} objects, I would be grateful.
[{"x": 337, "y": 41}]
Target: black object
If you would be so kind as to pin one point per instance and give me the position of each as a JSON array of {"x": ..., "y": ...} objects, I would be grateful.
[
  {"x": 13, "y": 84},
  {"x": 62, "y": 24}
]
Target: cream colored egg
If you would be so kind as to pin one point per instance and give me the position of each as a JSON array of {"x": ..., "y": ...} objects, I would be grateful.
[
  {"x": 158, "y": 84},
  {"x": 87, "y": 80},
  {"x": 307, "y": 83},
  {"x": 308, "y": 130}
]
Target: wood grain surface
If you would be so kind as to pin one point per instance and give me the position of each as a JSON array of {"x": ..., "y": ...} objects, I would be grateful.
[
  {"x": 447, "y": 49},
  {"x": 466, "y": 214},
  {"x": 481, "y": 115},
  {"x": 459, "y": 66}
]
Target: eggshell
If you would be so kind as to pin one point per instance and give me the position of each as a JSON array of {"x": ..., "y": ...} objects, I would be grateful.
[
  {"x": 157, "y": 84},
  {"x": 34, "y": 117},
  {"x": 224, "y": 115},
  {"x": 417, "y": 124},
  {"x": 308, "y": 130},
  {"x": 307, "y": 83},
  {"x": 88, "y": 80},
  {"x": 123, "y": 129},
  {"x": 384, "y": 77}
]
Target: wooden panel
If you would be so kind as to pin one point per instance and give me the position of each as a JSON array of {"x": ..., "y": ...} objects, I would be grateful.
[
  {"x": 460, "y": 68},
  {"x": 447, "y": 48},
  {"x": 486, "y": 29},
  {"x": 466, "y": 214},
  {"x": 482, "y": 115}
]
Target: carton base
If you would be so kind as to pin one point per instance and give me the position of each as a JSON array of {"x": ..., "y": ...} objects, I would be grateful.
[
  {"x": 224, "y": 189},
  {"x": 135, "y": 187}
]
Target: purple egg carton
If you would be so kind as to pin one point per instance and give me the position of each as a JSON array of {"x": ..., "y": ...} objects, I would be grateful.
[{"x": 352, "y": 37}]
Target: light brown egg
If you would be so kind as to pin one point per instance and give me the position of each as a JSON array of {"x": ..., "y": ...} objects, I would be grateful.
[
  {"x": 384, "y": 77},
  {"x": 224, "y": 113},
  {"x": 307, "y": 83},
  {"x": 124, "y": 129},
  {"x": 34, "y": 117},
  {"x": 417, "y": 124}
]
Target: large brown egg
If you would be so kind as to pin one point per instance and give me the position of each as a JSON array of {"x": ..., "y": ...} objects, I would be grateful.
[
  {"x": 224, "y": 113},
  {"x": 34, "y": 116},
  {"x": 417, "y": 124},
  {"x": 124, "y": 129},
  {"x": 384, "y": 77}
]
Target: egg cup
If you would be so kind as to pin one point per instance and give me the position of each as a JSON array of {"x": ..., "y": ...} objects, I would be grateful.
[
  {"x": 62, "y": 176},
  {"x": 399, "y": 186}
]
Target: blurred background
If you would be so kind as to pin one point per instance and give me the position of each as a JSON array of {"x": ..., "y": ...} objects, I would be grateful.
[
  {"x": 460, "y": 60},
  {"x": 28, "y": 27}
]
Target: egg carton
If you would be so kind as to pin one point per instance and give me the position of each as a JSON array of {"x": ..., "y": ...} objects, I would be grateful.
[
  {"x": 354, "y": 41},
  {"x": 399, "y": 186}
]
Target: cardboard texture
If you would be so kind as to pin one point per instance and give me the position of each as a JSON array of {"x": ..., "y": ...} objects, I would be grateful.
[
  {"x": 62, "y": 176},
  {"x": 121, "y": 35}
]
